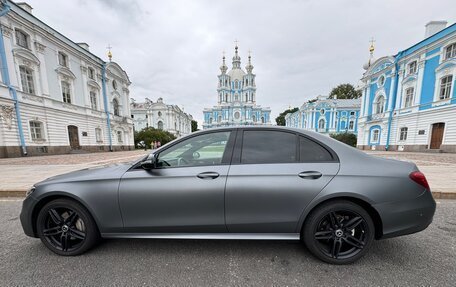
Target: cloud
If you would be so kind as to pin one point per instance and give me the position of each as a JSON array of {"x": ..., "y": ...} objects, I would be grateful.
[{"x": 172, "y": 49}]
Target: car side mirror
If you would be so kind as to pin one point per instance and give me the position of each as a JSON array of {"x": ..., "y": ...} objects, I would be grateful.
[{"x": 149, "y": 164}]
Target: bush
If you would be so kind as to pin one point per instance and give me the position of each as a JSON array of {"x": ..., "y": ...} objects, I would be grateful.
[
  {"x": 148, "y": 135},
  {"x": 347, "y": 138}
]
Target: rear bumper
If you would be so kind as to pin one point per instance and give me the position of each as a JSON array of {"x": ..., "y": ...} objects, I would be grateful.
[
  {"x": 26, "y": 216},
  {"x": 406, "y": 217}
]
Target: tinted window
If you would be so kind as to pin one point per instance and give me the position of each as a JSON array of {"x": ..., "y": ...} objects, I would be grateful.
[
  {"x": 268, "y": 147},
  {"x": 311, "y": 151},
  {"x": 206, "y": 149}
]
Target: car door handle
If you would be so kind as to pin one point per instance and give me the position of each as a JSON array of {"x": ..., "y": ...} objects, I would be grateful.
[
  {"x": 310, "y": 174},
  {"x": 208, "y": 175}
]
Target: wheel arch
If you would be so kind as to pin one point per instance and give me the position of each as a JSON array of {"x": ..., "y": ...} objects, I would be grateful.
[
  {"x": 58, "y": 195},
  {"x": 364, "y": 203}
]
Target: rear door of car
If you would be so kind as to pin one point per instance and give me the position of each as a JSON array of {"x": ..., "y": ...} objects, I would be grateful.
[{"x": 273, "y": 176}]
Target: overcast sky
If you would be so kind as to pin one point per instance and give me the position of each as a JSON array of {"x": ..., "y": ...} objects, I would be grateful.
[{"x": 300, "y": 49}]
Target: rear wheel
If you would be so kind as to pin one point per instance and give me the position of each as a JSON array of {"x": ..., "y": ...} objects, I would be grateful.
[
  {"x": 338, "y": 232},
  {"x": 66, "y": 227}
]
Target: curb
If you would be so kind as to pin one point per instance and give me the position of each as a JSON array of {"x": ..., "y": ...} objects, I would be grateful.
[{"x": 21, "y": 193}]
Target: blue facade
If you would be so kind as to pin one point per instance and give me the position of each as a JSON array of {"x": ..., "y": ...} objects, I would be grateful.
[
  {"x": 410, "y": 97},
  {"x": 326, "y": 116}
]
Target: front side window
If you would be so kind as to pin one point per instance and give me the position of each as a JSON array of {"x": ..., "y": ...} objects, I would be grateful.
[
  {"x": 310, "y": 151},
  {"x": 22, "y": 39},
  {"x": 66, "y": 92},
  {"x": 412, "y": 68},
  {"x": 409, "y": 97},
  {"x": 450, "y": 51},
  {"x": 63, "y": 59},
  {"x": 36, "y": 130},
  {"x": 403, "y": 134},
  {"x": 93, "y": 100},
  {"x": 201, "y": 150},
  {"x": 27, "y": 80},
  {"x": 268, "y": 147},
  {"x": 445, "y": 87}
]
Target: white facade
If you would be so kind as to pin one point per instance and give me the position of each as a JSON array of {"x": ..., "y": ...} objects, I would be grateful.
[
  {"x": 161, "y": 116},
  {"x": 59, "y": 89}
]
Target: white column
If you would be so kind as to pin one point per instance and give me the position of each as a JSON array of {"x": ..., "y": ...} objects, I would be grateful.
[{"x": 419, "y": 84}]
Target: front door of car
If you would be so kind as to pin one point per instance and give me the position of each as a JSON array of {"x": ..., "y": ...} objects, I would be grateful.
[
  {"x": 184, "y": 193},
  {"x": 273, "y": 177}
]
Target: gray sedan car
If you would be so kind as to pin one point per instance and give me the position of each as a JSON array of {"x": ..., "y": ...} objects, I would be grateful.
[{"x": 237, "y": 183}]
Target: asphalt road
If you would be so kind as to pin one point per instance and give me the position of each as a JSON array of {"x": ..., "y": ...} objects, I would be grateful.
[{"x": 424, "y": 259}]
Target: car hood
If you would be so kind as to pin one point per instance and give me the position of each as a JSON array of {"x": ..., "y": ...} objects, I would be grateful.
[{"x": 114, "y": 171}]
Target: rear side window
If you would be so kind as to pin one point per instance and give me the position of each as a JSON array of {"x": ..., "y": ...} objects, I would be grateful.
[
  {"x": 268, "y": 147},
  {"x": 310, "y": 151}
]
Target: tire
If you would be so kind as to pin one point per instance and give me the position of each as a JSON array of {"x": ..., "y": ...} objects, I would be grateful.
[
  {"x": 66, "y": 227},
  {"x": 338, "y": 232}
]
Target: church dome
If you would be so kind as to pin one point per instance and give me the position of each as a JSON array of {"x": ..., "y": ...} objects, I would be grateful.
[{"x": 236, "y": 74}]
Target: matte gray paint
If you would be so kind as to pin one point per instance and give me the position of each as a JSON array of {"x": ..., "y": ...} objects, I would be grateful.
[{"x": 258, "y": 199}]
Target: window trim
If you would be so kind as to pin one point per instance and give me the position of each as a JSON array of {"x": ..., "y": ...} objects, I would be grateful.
[
  {"x": 42, "y": 131},
  {"x": 67, "y": 59},
  {"x": 400, "y": 134}
]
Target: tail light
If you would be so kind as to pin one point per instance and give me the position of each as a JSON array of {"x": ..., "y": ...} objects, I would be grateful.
[{"x": 418, "y": 177}]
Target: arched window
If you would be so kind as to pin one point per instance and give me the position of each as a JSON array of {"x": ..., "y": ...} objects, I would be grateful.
[
  {"x": 27, "y": 80},
  {"x": 253, "y": 118},
  {"x": 351, "y": 125},
  {"x": 22, "y": 39},
  {"x": 160, "y": 125},
  {"x": 91, "y": 73},
  {"x": 246, "y": 82},
  {"x": 210, "y": 120},
  {"x": 321, "y": 124},
  {"x": 379, "y": 105},
  {"x": 114, "y": 84},
  {"x": 375, "y": 136},
  {"x": 219, "y": 119},
  {"x": 236, "y": 84},
  {"x": 115, "y": 106},
  {"x": 236, "y": 97},
  {"x": 226, "y": 83},
  {"x": 262, "y": 120},
  {"x": 246, "y": 97},
  {"x": 226, "y": 97}
]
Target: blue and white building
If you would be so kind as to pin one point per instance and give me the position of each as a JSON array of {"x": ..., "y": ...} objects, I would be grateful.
[
  {"x": 236, "y": 98},
  {"x": 409, "y": 100},
  {"x": 326, "y": 115}
]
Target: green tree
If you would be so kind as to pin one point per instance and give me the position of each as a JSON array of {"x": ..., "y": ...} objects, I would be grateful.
[
  {"x": 345, "y": 91},
  {"x": 347, "y": 138},
  {"x": 148, "y": 135},
  {"x": 280, "y": 120},
  {"x": 194, "y": 126}
]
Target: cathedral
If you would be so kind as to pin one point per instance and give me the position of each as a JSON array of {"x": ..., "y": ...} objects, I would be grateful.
[{"x": 236, "y": 98}]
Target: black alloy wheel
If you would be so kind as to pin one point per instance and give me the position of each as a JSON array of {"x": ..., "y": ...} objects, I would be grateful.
[
  {"x": 66, "y": 227},
  {"x": 339, "y": 232}
]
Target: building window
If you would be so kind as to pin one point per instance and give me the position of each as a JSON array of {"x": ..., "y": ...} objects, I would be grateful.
[
  {"x": 351, "y": 125},
  {"x": 63, "y": 59},
  {"x": 409, "y": 97},
  {"x": 253, "y": 118},
  {"x": 93, "y": 100},
  {"x": 412, "y": 68},
  {"x": 22, "y": 39},
  {"x": 379, "y": 105},
  {"x": 91, "y": 73},
  {"x": 236, "y": 84},
  {"x": 237, "y": 115},
  {"x": 321, "y": 124},
  {"x": 322, "y": 111},
  {"x": 159, "y": 114},
  {"x": 114, "y": 84},
  {"x": 36, "y": 130},
  {"x": 219, "y": 119},
  {"x": 403, "y": 134},
  {"x": 445, "y": 87},
  {"x": 98, "y": 135},
  {"x": 246, "y": 97},
  {"x": 375, "y": 136},
  {"x": 352, "y": 113},
  {"x": 66, "y": 92},
  {"x": 27, "y": 80},
  {"x": 119, "y": 137},
  {"x": 381, "y": 81},
  {"x": 450, "y": 51},
  {"x": 160, "y": 124},
  {"x": 263, "y": 120},
  {"x": 115, "y": 106}
]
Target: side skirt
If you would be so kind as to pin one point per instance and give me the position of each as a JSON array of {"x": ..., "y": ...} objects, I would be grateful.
[{"x": 225, "y": 236}]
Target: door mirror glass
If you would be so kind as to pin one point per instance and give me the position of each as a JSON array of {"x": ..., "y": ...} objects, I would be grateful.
[{"x": 149, "y": 163}]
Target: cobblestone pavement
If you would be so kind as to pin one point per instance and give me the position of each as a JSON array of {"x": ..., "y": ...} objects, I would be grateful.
[
  {"x": 18, "y": 174},
  {"x": 422, "y": 259}
]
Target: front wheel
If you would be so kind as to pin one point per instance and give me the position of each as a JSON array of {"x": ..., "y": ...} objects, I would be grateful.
[
  {"x": 338, "y": 232},
  {"x": 66, "y": 227}
]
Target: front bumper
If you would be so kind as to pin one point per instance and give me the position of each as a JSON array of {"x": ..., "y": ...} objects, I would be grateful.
[
  {"x": 406, "y": 217},
  {"x": 26, "y": 216}
]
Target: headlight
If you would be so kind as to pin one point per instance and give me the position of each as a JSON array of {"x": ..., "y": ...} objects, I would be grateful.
[{"x": 30, "y": 191}]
